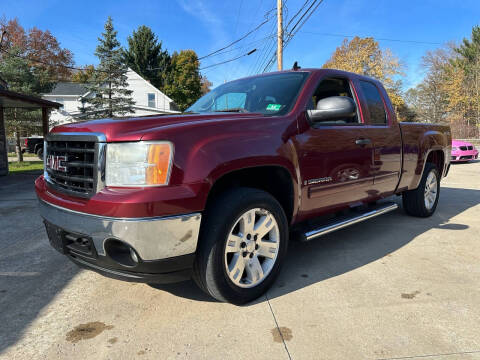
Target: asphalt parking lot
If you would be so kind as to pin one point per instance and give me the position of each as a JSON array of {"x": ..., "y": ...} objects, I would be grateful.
[{"x": 395, "y": 287}]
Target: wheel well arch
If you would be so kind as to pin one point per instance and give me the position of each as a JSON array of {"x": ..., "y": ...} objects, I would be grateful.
[
  {"x": 437, "y": 157},
  {"x": 274, "y": 179}
]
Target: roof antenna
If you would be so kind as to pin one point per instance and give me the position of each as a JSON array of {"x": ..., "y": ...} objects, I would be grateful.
[{"x": 295, "y": 66}]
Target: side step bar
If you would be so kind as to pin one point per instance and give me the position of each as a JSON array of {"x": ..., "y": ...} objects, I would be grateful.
[{"x": 344, "y": 222}]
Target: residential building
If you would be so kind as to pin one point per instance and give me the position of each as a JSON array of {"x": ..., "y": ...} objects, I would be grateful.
[{"x": 148, "y": 99}]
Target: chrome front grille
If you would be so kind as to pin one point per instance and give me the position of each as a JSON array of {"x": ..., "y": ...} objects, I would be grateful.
[{"x": 74, "y": 162}]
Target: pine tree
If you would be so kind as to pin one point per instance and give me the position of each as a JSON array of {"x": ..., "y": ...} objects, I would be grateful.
[
  {"x": 146, "y": 57},
  {"x": 109, "y": 87}
]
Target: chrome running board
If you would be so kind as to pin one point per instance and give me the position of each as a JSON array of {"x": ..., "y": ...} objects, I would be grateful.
[{"x": 344, "y": 222}]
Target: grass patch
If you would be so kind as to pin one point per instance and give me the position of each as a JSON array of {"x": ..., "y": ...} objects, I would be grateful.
[
  {"x": 25, "y": 166},
  {"x": 12, "y": 154}
]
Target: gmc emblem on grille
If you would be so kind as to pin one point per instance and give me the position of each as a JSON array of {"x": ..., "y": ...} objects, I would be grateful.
[{"x": 55, "y": 162}]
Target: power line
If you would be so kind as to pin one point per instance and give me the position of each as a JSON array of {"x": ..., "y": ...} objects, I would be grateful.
[
  {"x": 261, "y": 58},
  {"x": 230, "y": 60},
  {"x": 271, "y": 61},
  {"x": 292, "y": 33},
  {"x": 257, "y": 9},
  {"x": 238, "y": 17},
  {"x": 244, "y": 46},
  {"x": 49, "y": 64},
  {"x": 236, "y": 41},
  {"x": 373, "y": 37},
  {"x": 297, "y": 13},
  {"x": 301, "y": 21}
]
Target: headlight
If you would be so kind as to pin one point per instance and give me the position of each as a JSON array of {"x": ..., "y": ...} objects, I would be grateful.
[
  {"x": 454, "y": 148},
  {"x": 143, "y": 163}
]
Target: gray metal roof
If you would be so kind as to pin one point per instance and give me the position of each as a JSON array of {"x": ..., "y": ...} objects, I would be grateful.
[
  {"x": 10, "y": 99},
  {"x": 68, "y": 88}
]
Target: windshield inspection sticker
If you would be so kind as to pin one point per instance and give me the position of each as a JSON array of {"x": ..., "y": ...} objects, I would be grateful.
[{"x": 274, "y": 107}]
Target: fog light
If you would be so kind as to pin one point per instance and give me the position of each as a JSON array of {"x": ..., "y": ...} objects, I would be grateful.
[
  {"x": 133, "y": 255},
  {"x": 121, "y": 253}
]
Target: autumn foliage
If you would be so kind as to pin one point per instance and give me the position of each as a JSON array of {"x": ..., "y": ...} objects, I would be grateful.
[
  {"x": 364, "y": 56},
  {"x": 39, "y": 47},
  {"x": 450, "y": 91}
]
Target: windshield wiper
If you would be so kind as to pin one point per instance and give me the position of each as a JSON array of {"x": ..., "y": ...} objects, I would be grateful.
[{"x": 242, "y": 110}]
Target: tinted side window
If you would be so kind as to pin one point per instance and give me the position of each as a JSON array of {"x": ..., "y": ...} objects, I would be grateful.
[{"x": 374, "y": 103}]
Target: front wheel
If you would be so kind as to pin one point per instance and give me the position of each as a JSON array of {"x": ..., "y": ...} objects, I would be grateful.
[
  {"x": 243, "y": 240},
  {"x": 423, "y": 201}
]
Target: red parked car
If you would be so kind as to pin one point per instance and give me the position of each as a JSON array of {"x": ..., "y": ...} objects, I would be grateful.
[
  {"x": 463, "y": 151},
  {"x": 217, "y": 192}
]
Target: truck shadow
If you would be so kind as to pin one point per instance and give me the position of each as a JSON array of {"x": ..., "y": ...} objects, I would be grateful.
[
  {"x": 32, "y": 274},
  {"x": 465, "y": 162},
  {"x": 351, "y": 248}
]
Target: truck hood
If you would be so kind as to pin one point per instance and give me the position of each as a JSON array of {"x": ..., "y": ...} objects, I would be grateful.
[{"x": 133, "y": 129}]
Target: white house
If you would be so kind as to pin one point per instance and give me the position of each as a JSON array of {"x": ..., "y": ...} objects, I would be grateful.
[{"x": 148, "y": 99}]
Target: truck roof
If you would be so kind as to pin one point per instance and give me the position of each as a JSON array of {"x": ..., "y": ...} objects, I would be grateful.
[{"x": 332, "y": 72}]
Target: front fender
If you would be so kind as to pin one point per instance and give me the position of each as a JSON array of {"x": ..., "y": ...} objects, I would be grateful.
[{"x": 207, "y": 150}]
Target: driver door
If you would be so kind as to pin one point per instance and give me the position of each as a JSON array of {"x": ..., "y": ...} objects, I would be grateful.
[{"x": 335, "y": 157}]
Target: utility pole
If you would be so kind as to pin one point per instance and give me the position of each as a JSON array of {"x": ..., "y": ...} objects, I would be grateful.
[{"x": 280, "y": 35}]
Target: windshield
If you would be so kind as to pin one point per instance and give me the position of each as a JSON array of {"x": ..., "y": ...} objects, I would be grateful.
[{"x": 270, "y": 95}]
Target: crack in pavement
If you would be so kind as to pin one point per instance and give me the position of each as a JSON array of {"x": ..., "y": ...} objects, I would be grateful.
[
  {"x": 278, "y": 328},
  {"x": 430, "y": 355}
]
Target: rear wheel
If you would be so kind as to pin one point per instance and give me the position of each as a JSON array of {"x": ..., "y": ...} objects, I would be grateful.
[
  {"x": 243, "y": 240},
  {"x": 40, "y": 153},
  {"x": 423, "y": 201}
]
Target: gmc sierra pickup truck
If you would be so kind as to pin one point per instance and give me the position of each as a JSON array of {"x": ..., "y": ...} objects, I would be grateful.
[{"x": 215, "y": 193}]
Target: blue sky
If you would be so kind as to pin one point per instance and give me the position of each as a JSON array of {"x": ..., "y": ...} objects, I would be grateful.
[{"x": 207, "y": 25}]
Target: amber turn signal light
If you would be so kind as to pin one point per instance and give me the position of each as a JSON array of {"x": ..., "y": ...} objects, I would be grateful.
[{"x": 158, "y": 158}]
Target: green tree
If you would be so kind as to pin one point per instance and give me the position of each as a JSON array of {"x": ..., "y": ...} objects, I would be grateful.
[
  {"x": 21, "y": 78},
  {"x": 30, "y": 62},
  {"x": 111, "y": 96},
  {"x": 184, "y": 82},
  {"x": 469, "y": 62},
  {"x": 470, "y": 49},
  {"x": 146, "y": 57}
]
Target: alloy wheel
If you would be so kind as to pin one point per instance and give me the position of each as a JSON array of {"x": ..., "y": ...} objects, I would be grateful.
[
  {"x": 430, "y": 193},
  {"x": 252, "y": 247}
]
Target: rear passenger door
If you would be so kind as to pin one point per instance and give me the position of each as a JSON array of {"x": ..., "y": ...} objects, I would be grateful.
[{"x": 383, "y": 130}]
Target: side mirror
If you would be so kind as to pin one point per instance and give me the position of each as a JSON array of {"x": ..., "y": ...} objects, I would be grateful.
[{"x": 333, "y": 108}]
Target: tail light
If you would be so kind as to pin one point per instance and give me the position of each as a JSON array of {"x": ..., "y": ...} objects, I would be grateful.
[{"x": 26, "y": 142}]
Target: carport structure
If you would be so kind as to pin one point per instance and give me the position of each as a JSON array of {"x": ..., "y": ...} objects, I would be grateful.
[{"x": 10, "y": 99}]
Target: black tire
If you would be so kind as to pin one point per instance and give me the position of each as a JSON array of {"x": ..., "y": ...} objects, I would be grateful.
[
  {"x": 414, "y": 200},
  {"x": 209, "y": 270},
  {"x": 40, "y": 153}
]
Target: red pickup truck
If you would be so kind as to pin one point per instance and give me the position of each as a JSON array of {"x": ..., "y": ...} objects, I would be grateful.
[{"x": 216, "y": 192}]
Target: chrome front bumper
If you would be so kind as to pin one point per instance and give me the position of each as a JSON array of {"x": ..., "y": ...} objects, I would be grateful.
[{"x": 152, "y": 238}]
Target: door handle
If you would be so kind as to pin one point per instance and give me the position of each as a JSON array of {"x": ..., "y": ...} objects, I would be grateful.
[{"x": 363, "y": 142}]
